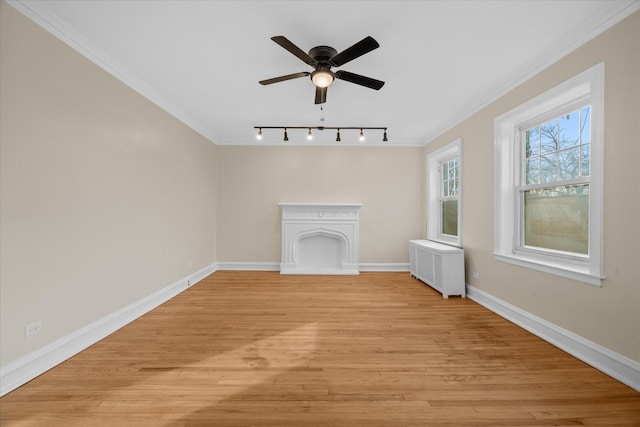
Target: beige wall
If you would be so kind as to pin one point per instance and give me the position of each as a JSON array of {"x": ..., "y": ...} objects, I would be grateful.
[
  {"x": 609, "y": 316},
  {"x": 105, "y": 198},
  {"x": 387, "y": 181}
]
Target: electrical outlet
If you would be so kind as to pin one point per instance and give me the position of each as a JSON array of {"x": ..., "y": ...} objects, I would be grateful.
[
  {"x": 33, "y": 328},
  {"x": 476, "y": 275}
]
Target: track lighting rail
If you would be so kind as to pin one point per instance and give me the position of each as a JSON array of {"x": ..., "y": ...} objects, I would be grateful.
[{"x": 321, "y": 128}]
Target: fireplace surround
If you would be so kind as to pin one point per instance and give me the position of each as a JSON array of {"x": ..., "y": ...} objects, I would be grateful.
[{"x": 320, "y": 238}]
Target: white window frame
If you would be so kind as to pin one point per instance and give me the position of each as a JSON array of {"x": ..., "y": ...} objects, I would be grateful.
[
  {"x": 585, "y": 88},
  {"x": 453, "y": 150}
]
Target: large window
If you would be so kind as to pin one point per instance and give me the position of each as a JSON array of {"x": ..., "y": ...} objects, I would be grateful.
[
  {"x": 554, "y": 191},
  {"x": 444, "y": 195},
  {"x": 549, "y": 180}
]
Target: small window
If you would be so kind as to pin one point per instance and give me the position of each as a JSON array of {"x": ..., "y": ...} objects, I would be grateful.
[
  {"x": 449, "y": 197},
  {"x": 444, "y": 195},
  {"x": 549, "y": 168}
]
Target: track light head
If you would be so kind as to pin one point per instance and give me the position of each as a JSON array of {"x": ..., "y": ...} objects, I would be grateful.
[
  {"x": 286, "y": 137},
  {"x": 309, "y": 135},
  {"x": 338, "y": 136},
  {"x": 361, "y": 135},
  {"x": 384, "y": 136},
  {"x": 259, "y": 135}
]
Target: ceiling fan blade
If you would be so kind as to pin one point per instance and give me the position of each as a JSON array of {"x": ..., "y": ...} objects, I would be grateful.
[
  {"x": 284, "y": 78},
  {"x": 365, "y": 45},
  {"x": 287, "y": 44},
  {"x": 321, "y": 95},
  {"x": 359, "y": 80}
]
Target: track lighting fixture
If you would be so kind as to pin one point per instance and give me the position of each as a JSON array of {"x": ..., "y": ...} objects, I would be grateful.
[{"x": 321, "y": 128}]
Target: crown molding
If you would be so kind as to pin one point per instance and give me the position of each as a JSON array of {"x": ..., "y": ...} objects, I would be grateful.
[
  {"x": 576, "y": 39},
  {"x": 37, "y": 11}
]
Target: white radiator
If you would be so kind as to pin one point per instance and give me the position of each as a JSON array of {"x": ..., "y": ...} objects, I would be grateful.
[{"x": 438, "y": 265}]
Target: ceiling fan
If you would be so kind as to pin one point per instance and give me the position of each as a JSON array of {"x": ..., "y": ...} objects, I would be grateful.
[{"x": 322, "y": 58}]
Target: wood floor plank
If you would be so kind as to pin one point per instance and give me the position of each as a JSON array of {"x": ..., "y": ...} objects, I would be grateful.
[{"x": 379, "y": 349}]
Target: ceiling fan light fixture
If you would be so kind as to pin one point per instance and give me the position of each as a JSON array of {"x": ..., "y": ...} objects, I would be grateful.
[
  {"x": 321, "y": 59},
  {"x": 322, "y": 78}
]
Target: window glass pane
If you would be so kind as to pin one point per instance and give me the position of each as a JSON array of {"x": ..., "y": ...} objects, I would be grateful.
[
  {"x": 450, "y": 217},
  {"x": 569, "y": 163},
  {"x": 585, "y": 124},
  {"x": 532, "y": 138},
  {"x": 585, "y": 160},
  {"x": 449, "y": 178},
  {"x": 557, "y": 218},
  {"x": 549, "y": 136},
  {"x": 453, "y": 188},
  {"x": 570, "y": 130},
  {"x": 533, "y": 173},
  {"x": 549, "y": 168}
]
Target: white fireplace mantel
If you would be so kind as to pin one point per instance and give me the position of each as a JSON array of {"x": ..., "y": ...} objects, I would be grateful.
[{"x": 320, "y": 238}]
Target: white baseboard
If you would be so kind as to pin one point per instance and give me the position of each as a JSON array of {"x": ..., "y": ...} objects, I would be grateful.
[
  {"x": 621, "y": 368},
  {"x": 26, "y": 368},
  {"x": 21, "y": 371},
  {"x": 389, "y": 266},
  {"x": 248, "y": 266},
  {"x": 275, "y": 266}
]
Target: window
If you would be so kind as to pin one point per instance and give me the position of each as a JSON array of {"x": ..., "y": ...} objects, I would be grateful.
[
  {"x": 549, "y": 180},
  {"x": 554, "y": 192},
  {"x": 445, "y": 191}
]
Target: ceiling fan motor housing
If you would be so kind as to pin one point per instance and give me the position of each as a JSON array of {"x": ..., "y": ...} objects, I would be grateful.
[{"x": 322, "y": 55}]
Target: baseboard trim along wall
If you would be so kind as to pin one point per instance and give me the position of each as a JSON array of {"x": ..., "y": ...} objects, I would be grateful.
[
  {"x": 23, "y": 370},
  {"x": 36, "y": 363},
  {"x": 248, "y": 266},
  {"x": 621, "y": 368},
  {"x": 397, "y": 266},
  {"x": 275, "y": 266}
]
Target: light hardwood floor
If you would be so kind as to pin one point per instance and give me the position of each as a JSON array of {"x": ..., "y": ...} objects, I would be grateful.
[{"x": 379, "y": 349}]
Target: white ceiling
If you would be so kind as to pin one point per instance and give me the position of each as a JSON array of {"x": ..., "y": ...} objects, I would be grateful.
[{"x": 441, "y": 60}]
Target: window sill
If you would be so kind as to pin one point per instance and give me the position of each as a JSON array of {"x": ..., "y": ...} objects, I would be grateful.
[{"x": 573, "y": 272}]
